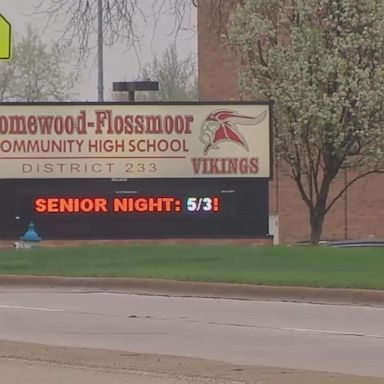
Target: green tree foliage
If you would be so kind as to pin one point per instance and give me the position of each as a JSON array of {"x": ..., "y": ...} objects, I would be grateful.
[
  {"x": 322, "y": 62},
  {"x": 37, "y": 72}
]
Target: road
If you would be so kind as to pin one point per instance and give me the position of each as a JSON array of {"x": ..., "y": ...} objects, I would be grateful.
[{"x": 332, "y": 338}]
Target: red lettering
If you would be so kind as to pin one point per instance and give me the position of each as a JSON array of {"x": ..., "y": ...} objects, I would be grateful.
[{"x": 71, "y": 205}]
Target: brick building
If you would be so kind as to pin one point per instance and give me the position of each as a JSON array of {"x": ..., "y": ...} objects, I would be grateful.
[{"x": 357, "y": 214}]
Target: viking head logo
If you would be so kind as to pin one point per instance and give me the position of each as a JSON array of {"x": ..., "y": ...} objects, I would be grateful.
[{"x": 221, "y": 125}]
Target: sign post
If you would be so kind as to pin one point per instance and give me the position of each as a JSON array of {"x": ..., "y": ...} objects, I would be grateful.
[{"x": 5, "y": 39}]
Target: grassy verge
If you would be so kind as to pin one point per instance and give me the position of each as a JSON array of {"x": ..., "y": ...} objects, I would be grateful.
[{"x": 299, "y": 266}]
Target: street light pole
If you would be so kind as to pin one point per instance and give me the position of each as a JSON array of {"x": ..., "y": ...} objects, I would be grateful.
[{"x": 100, "y": 64}]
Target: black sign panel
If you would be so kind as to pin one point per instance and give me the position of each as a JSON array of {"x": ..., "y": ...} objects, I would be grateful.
[{"x": 135, "y": 208}]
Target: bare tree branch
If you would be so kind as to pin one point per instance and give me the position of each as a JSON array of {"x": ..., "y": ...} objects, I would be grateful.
[
  {"x": 122, "y": 20},
  {"x": 348, "y": 184}
]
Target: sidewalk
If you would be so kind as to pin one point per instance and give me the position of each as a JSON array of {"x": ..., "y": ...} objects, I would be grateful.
[{"x": 36, "y": 364}]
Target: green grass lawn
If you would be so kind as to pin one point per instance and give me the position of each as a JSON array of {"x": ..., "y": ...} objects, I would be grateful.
[{"x": 299, "y": 266}]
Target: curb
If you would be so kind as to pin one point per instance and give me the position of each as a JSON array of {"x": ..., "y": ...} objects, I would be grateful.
[{"x": 203, "y": 289}]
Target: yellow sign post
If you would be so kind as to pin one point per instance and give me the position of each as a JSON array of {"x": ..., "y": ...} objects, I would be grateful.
[{"x": 5, "y": 39}]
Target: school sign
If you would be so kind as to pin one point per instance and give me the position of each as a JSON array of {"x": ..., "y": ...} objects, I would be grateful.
[{"x": 135, "y": 140}]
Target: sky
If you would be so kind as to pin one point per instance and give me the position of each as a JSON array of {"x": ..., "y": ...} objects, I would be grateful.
[{"x": 120, "y": 63}]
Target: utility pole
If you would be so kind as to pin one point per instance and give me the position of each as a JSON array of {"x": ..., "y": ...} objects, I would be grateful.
[{"x": 100, "y": 64}]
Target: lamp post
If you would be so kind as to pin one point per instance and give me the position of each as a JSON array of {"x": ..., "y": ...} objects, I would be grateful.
[
  {"x": 100, "y": 63},
  {"x": 132, "y": 86}
]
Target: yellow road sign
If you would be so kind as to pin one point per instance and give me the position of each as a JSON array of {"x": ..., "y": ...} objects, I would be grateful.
[{"x": 5, "y": 39}]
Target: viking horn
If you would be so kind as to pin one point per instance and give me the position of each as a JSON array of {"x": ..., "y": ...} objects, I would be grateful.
[{"x": 251, "y": 120}]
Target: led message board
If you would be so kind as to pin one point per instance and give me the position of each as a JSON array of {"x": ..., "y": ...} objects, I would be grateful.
[
  {"x": 91, "y": 140},
  {"x": 135, "y": 208}
]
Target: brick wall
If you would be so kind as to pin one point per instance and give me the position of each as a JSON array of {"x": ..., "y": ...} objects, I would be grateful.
[
  {"x": 216, "y": 67},
  {"x": 364, "y": 212}
]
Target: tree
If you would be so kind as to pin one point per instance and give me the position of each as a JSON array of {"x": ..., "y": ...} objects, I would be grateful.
[
  {"x": 111, "y": 21},
  {"x": 176, "y": 77},
  {"x": 322, "y": 62},
  {"x": 120, "y": 18},
  {"x": 37, "y": 72}
]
